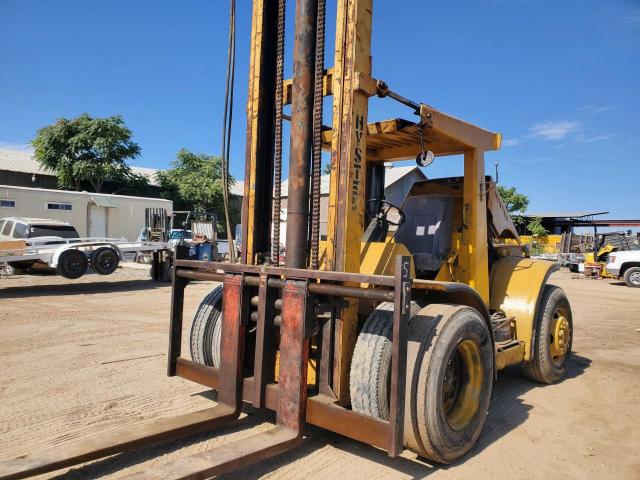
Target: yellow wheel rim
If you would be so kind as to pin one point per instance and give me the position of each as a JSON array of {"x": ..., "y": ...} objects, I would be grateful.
[
  {"x": 559, "y": 336},
  {"x": 462, "y": 384}
]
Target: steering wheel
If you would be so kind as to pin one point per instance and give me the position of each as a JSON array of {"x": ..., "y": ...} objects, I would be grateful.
[{"x": 385, "y": 208}]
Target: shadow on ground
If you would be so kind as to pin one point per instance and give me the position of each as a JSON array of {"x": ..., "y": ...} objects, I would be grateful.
[
  {"x": 507, "y": 411},
  {"x": 80, "y": 288}
]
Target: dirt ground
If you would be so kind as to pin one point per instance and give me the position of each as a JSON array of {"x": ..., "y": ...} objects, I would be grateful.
[{"x": 83, "y": 357}]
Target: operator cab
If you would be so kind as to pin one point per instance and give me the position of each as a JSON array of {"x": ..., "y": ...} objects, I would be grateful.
[
  {"x": 427, "y": 231},
  {"x": 423, "y": 224},
  {"x": 430, "y": 222}
]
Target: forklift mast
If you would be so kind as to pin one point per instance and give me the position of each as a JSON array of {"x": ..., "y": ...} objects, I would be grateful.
[{"x": 357, "y": 176}]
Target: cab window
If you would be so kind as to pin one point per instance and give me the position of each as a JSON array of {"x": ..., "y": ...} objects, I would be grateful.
[
  {"x": 64, "y": 231},
  {"x": 20, "y": 231},
  {"x": 7, "y": 228}
]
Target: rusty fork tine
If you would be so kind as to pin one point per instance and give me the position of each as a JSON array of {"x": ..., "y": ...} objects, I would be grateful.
[
  {"x": 227, "y": 410},
  {"x": 292, "y": 387},
  {"x": 117, "y": 441},
  {"x": 225, "y": 458}
]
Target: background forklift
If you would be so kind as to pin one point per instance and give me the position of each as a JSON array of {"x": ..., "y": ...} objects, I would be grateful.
[
  {"x": 193, "y": 233},
  {"x": 391, "y": 336}
]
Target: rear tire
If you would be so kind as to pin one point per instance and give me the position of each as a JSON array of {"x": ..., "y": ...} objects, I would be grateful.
[
  {"x": 449, "y": 381},
  {"x": 104, "y": 261},
  {"x": 632, "y": 277},
  {"x": 552, "y": 339},
  {"x": 206, "y": 330},
  {"x": 72, "y": 264}
]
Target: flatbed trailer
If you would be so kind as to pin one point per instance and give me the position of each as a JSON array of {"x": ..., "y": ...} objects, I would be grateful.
[{"x": 72, "y": 258}]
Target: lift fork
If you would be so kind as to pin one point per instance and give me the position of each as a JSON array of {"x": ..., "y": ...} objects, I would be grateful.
[
  {"x": 294, "y": 352},
  {"x": 292, "y": 388}
]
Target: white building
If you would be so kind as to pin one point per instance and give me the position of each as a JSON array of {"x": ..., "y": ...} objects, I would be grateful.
[{"x": 93, "y": 214}]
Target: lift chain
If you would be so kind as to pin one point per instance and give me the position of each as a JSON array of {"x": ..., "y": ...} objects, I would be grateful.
[
  {"x": 277, "y": 163},
  {"x": 317, "y": 135}
]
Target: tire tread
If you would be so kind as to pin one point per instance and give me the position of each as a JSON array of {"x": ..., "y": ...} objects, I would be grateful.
[
  {"x": 205, "y": 329},
  {"x": 539, "y": 368}
]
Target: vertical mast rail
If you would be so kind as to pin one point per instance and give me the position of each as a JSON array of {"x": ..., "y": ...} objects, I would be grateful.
[{"x": 301, "y": 121}]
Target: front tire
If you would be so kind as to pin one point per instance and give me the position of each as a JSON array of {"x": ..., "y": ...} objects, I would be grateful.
[
  {"x": 439, "y": 425},
  {"x": 369, "y": 377},
  {"x": 552, "y": 339},
  {"x": 632, "y": 277},
  {"x": 449, "y": 381}
]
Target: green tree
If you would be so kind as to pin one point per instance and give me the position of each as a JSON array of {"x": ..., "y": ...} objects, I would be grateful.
[
  {"x": 133, "y": 184},
  {"x": 86, "y": 149},
  {"x": 536, "y": 228},
  {"x": 515, "y": 202},
  {"x": 194, "y": 181}
]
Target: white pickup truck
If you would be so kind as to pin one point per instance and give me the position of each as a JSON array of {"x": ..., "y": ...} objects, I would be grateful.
[
  {"x": 40, "y": 243},
  {"x": 625, "y": 264}
]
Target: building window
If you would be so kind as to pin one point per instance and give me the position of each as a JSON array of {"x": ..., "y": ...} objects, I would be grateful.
[
  {"x": 59, "y": 206},
  {"x": 7, "y": 203}
]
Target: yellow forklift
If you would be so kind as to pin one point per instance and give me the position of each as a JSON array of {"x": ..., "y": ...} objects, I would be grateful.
[{"x": 391, "y": 334}]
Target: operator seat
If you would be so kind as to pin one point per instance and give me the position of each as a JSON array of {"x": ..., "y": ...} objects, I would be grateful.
[{"x": 427, "y": 231}]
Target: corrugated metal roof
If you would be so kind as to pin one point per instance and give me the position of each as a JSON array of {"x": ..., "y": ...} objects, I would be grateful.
[
  {"x": 562, "y": 214},
  {"x": 19, "y": 161},
  {"x": 149, "y": 173},
  {"x": 392, "y": 175},
  {"x": 237, "y": 188}
]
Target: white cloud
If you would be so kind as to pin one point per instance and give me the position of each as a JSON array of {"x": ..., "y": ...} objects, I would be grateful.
[
  {"x": 511, "y": 142},
  {"x": 554, "y": 130},
  {"x": 631, "y": 19},
  {"x": 594, "y": 109},
  {"x": 595, "y": 138},
  {"x": 631, "y": 15},
  {"x": 22, "y": 147}
]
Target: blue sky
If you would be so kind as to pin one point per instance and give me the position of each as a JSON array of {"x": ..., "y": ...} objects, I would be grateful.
[{"x": 559, "y": 79}]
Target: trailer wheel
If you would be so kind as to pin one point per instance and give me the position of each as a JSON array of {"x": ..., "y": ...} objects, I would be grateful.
[
  {"x": 72, "y": 264},
  {"x": 8, "y": 270},
  {"x": 371, "y": 362},
  {"x": 104, "y": 261},
  {"x": 552, "y": 339},
  {"x": 206, "y": 330},
  {"x": 632, "y": 277}
]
